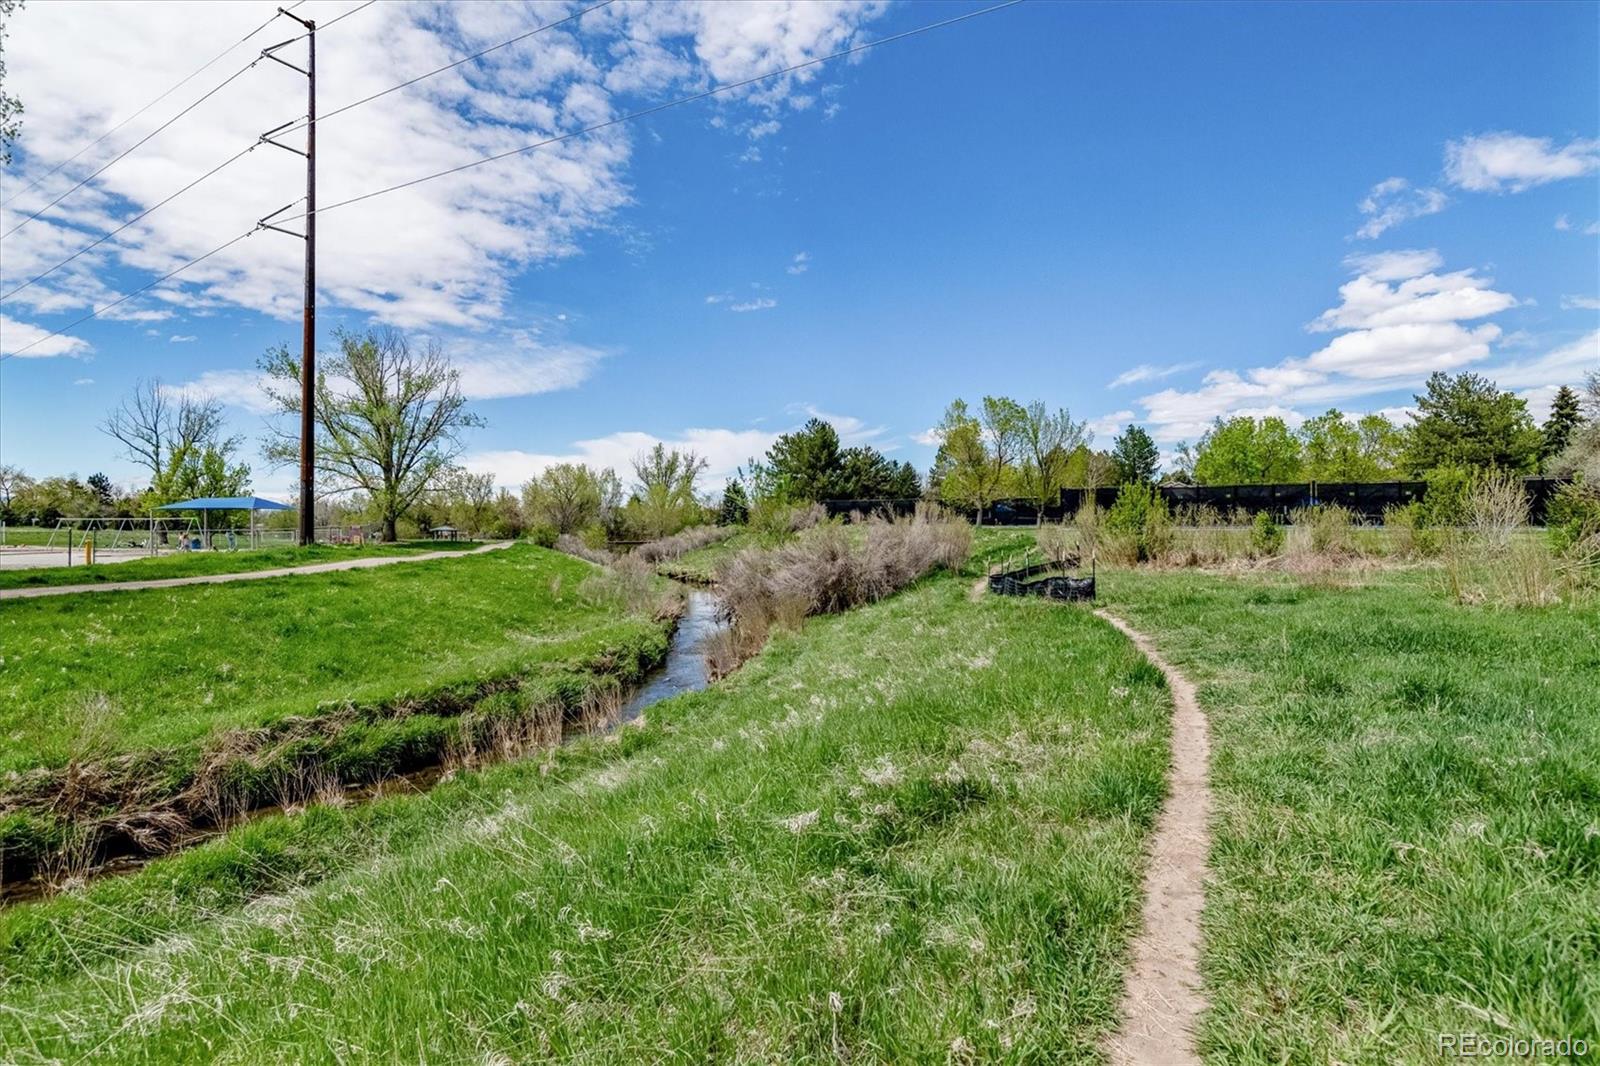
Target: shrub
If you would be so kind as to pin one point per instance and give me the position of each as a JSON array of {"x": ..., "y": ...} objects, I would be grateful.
[
  {"x": 1445, "y": 501},
  {"x": 573, "y": 546},
  {"x": 630, "y": 584},
  {"x": 1496, "y": 507},
  {"x": 1138, "y": 525},
  {"x": 1266, "y": 536},
  {"x": 667, "y": 548},
  {"x": 775, "y": 518},
  {"x": 1088, "y": 522},
  {"x": 1058, "y": 544},
  {"x": 545, "y": 536},
  {"x": 1409, "y": 532},
  {"x": 1573, "y": 518},
  {"x": 1327, "y": 530}
]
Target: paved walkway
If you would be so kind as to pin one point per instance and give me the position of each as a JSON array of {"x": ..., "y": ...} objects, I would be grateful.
[{"x": 362, "y": 563}]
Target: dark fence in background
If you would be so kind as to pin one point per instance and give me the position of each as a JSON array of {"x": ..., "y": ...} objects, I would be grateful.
[{"x": 1366, "y": 499}]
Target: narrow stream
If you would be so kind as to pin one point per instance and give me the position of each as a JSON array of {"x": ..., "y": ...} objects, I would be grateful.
[
  {"x": 683, "y": 670},
  {"x": 685, "y": 667}
]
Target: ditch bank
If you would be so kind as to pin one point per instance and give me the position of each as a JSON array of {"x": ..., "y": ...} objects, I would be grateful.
[{"x": 62, "y": 826}]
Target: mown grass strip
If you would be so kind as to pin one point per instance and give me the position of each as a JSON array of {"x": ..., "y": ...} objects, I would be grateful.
[{"x": 195, "y": 564}]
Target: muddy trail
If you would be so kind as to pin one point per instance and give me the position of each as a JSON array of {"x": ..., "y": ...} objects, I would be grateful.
[{"x": 125, "y": 840}]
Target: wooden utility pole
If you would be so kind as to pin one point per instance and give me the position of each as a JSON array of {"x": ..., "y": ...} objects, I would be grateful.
[{"x": 308, "y": 335}]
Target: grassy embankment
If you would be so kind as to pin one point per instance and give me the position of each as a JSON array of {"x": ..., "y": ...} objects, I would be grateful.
[
  {"x": 1407, "y": 839},
  {"x": 909, "y": 832},
  {"x": 227, "y": 696},
  {"x": 699, "y": 567},
  {"x": 194, "y": 564}
]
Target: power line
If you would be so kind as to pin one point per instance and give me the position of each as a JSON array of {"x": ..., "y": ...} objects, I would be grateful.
[
  {"x": 138, "y": 144},
  {"x": 132, "y": 148},
  {"x": 107, "y": 236},
  {"x": 291, "y": 127},
  {"x": 658, "y": 108},
  {"x": 451, "y": 66},
  {"x": 186, "y": 80},
  {"x": 340, "y": 18},
  {"x": 128, "y": 296}
]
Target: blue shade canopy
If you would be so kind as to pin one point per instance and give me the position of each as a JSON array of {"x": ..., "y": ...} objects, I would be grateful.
[{"x": 226, "y": 503}]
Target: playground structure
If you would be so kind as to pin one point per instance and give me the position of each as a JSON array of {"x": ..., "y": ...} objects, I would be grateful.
[
  {"x": 88, "y": 540},
  {"x": 75, "y": 541}
]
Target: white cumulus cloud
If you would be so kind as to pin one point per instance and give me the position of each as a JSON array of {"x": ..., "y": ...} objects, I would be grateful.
[{"x": 1513, "y": 162}]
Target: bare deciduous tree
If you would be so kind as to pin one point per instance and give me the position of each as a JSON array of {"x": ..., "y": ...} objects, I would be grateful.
[
  {"x": 388, "y": 418},
  {"x": 155, "y": 426}
]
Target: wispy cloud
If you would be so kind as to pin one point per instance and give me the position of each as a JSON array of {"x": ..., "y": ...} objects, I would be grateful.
[
  {"x": 760, "y": 303},
  {"x": 1147, "y": 372},
  {"x": 800, "y": 264},
  {"x": 1580, "y": 303},
  {"x": 851, "y": 430},
  {"x": 181, "y": 339},
  {"x": 1393, "y": 201}
]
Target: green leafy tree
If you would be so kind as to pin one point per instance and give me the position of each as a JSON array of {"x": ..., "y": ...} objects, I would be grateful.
[
  {"x": 44, "y": 501},
  {"x": 1565, "y": 417},
  {"x": 197, "y": 470},
  {"x": 1135, "y": 455},
  {"x": 570, "y": 496},
  {"x": 388, "y": 416},
  {"x": 1466, "y": 420},
  {"x": 664, "y": 500},
  {"x": 10, "y": 105},
  {"x": 1244, "y": 451},
  {"x": 963, "y": 468},
  {"x": 735, "y": 507},
  {"x": 466, "y": 500},
  {"x": 1337, "y": 449},
  {"x": 1046, "y": 440}
]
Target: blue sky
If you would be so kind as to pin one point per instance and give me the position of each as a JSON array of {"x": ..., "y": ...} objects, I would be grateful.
[{"x": 1037, "y": 202}]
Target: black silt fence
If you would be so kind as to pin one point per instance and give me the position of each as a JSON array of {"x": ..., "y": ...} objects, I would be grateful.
[
  {"x": 1042, "y": 579},
  {"x": 890, "y": 508}
]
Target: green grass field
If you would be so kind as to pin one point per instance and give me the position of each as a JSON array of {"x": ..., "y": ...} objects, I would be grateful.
[
  {"x": 908, "y": 833},
  {"x": 170, "y": 666},
  {"x": 1407, "y": 837},
  {"x": 192, "y": 564}
]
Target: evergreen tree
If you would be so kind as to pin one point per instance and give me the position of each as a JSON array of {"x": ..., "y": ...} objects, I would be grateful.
[
  {"x": 735, "y": 508},
  {"x": 1565, "y": 418},
  {"x": 1465, "y": 420},
  {"x": 1136, "y": 457}
]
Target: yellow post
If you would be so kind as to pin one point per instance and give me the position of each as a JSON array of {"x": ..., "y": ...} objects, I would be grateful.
[{"x": 88, "y": 550}]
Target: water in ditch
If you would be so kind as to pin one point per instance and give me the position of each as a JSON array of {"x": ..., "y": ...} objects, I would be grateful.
[{"x": 683, "y": 670}]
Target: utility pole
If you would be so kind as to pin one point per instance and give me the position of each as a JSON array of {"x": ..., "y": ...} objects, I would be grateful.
[{"x": 308, "y": 336}]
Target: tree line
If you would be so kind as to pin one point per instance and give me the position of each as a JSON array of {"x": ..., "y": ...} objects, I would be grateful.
[{"x": 390, "y": 419}]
